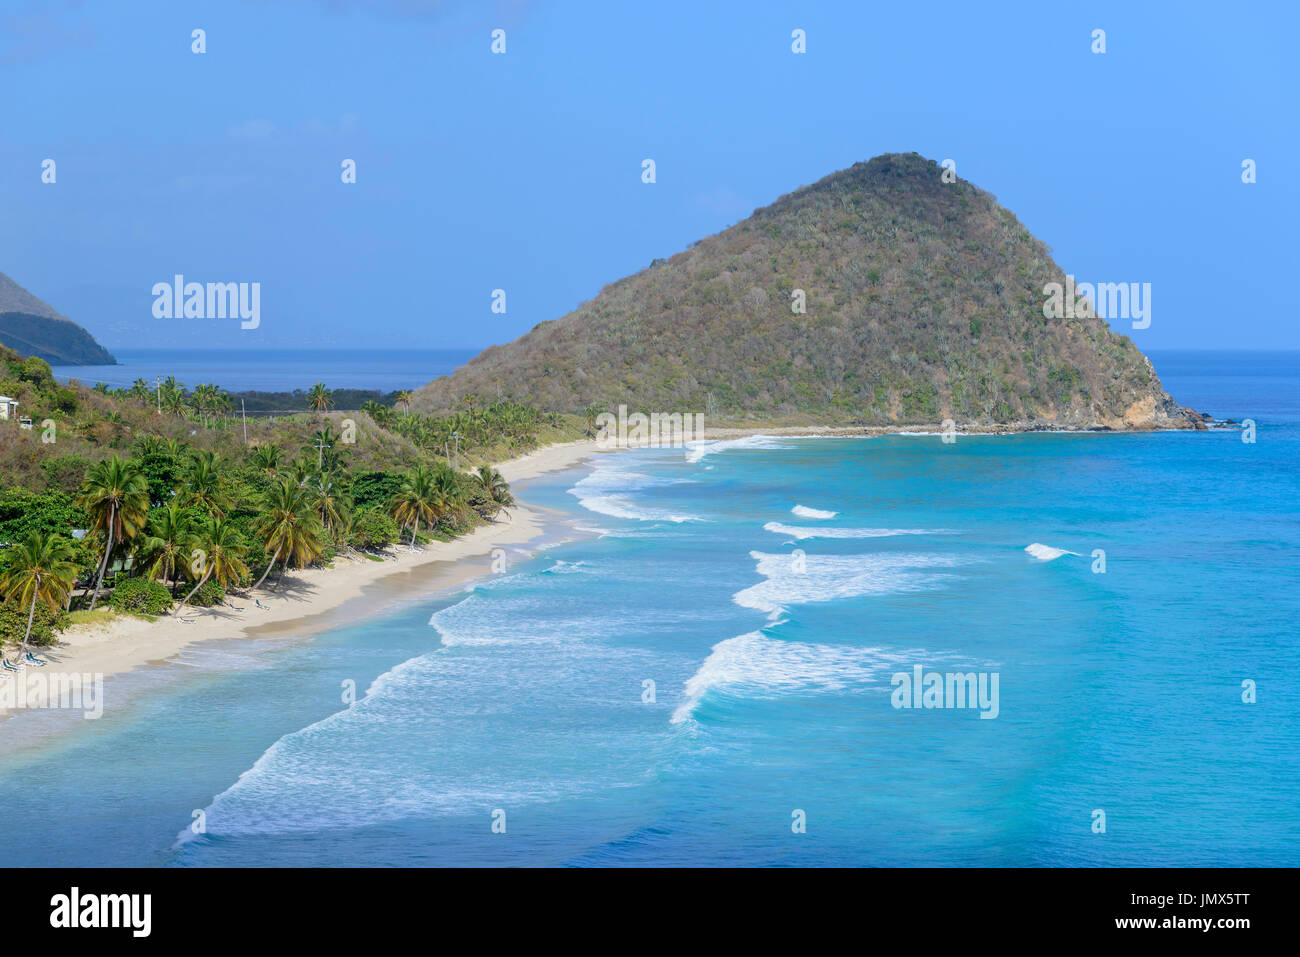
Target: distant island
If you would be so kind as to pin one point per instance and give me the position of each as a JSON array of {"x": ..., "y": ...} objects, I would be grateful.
[
  {"x": 880, "y": 296},
  {"x": 32, "y": 327}
]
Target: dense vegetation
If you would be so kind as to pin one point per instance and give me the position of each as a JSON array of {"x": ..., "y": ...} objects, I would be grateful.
[
  {"x": 177, "y": 509},
  {"x": 299, "y": 400},
  {"x": 924, "y": 302}
]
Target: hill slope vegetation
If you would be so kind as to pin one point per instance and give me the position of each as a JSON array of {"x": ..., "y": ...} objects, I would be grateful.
[
  {"x": 33, "y": 328},
  {"x": 924, "y": 301}
]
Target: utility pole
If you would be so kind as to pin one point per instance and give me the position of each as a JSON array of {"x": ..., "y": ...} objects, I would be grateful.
[
  {"x": 320, "y": 454},
  {"x": 456, "y": 462},
  {"x": 157, "y": 380},
  {"x": 244, "y": 416}
]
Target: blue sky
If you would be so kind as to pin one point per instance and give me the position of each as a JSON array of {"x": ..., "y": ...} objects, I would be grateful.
[{"x": 523, "y": 171}]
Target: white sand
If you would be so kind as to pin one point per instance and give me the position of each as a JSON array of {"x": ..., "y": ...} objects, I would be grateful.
[{"x": 309, "y": 599}]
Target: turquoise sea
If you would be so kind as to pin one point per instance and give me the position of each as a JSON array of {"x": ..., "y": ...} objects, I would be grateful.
[{"x": 771, "y": 630}]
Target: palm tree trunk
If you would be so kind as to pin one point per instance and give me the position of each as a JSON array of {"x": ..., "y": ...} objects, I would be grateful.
[
  {"x": 108, "y": 548},
  {"x": 284, "y": 569},
  {"x": 22, "y": 650},
  {"x": 269, "y": 566},
  {"x": 181, "y": 607}
]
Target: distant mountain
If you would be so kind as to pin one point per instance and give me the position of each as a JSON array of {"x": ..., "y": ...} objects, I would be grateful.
[
  {"x": 33, "y": 328},
  {"x": 924, "y": 302}
]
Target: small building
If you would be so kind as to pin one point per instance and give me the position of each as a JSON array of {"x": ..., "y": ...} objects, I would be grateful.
[{"x": 8, "y": 407}]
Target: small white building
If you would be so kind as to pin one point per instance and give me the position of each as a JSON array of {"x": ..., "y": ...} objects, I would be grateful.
[{"x": 8, "y": 407}]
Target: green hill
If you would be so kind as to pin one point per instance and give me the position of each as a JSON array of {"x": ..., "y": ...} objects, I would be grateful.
[
  {"x": 924, "y": 302},
  {"x": 33, "y": 328}
]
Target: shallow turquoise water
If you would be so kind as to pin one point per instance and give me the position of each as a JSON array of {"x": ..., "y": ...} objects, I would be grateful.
[{"x": 771, "y": 638}]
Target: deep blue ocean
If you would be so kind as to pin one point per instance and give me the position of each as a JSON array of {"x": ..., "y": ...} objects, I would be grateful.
[{"x": 770, "y": 589}]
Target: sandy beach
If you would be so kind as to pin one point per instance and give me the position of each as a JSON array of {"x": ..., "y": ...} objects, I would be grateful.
[
  {"x": 312, "y": 600},
  {"x": 309, "y": 599}
]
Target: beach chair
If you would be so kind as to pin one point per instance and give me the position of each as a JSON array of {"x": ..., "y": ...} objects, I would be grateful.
[
  {"x": 38, "y": 662},
  {"x": 188, "y": 621},
  {"x": 258, "y": 603},
  {"x": 8, "y": 666}
]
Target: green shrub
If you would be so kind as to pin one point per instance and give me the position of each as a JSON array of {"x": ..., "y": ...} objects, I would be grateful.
[
  {"x": 38, "y": 372},
  {"x": 374, "y": 489},
  {"x": 140, "y": 596},
  {"x": 209, "y": 595},
  {"x": 64, "y": 472},
  {"x": 371, "y": 528},
  {"x": 45, "y": 623}
]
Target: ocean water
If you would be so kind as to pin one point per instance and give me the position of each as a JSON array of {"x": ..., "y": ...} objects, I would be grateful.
[
  {"x": 273, "y": 370},
  {"x": 770, "y": 589}
]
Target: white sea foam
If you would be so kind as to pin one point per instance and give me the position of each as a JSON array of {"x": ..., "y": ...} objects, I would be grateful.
[
  {"x": 407, "y": 748},
  {"x": 802, "y": 531},
  {"x": 758, "y": 666},
  {"x": 569, "y": 568},
  {"x": 696, "y": 451},
  {"x": 1046, "y": 553},
  {"x": 804, "y": 511},
  {"x": 608, "y": 490},
  {"x": 796, "y": 580}
]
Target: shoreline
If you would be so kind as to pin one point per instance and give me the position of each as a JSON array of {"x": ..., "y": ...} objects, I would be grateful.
[{"x": 308, "y": 600}]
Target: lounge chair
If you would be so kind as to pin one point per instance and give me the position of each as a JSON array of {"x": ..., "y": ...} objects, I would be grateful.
[
  {"x": 188, "y": 621},
  {"x": 8, "y": 666},
  {"x": 38, "y": 662},
  {"x": 258, "y": 603}
]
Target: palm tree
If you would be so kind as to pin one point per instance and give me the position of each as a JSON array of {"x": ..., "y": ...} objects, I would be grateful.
[
  {"x": 329, "y": 505},
  {"x": 288, "y": 527},
  {"x": 140, "y": 390},
  {"x": 41, "y": 569},
  {"x": 319, "y": 398},
  {"x": 167, "y": 543},
  {"x": 381, "y": 414},
  {"x": 147, "y": 445},
  {"x": 415, "y": 501},
  {"x": 222, "y": 556},
  {"x": 496, "y": 487},
  {"x": 116, "y": 495},
  {"x": 267, "y": 457},
  {"x": 300, "y": 470},
  {"x": 205, "y": 399},
  {"x": 404, "y": 397},
  {"x": 174, "y": 402},
  {"x": 203, "y": 486},
  {"x": 448, "y": 497}
]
